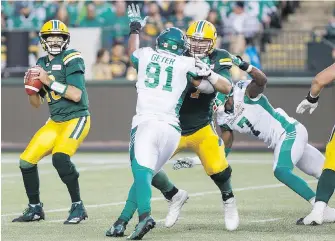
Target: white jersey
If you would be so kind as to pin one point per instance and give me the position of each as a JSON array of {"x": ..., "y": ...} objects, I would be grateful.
[
  {"x": 161, "y": 84},
  {"x": 256, "y": 116}
]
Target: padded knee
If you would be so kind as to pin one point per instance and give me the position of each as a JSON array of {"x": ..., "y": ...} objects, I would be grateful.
[
  {"x": 223, "y": 176},
  {"x": 65, "y": 168},
  {"x": 281, "y": 173},
  {"x": 26, "y": 165}
]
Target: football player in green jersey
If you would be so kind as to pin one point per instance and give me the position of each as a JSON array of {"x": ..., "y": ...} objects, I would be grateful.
[{"x": 62, "y": 74}]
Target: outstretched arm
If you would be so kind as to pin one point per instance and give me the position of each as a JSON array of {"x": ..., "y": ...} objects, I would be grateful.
[
  {"x": 259, "y": 79},
  {"x": 319, "y": 82},
  {"x": 322, "y": 79},
  {"x": 258, "y": 83},
  {"x": 136, "y": 24}
]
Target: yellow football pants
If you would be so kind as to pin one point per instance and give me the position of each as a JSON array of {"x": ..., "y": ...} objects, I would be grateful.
[
  {"x": 53, "y": 137},
  {"x": 330, "y": 152},
  {"x": 209, "y": 148}
]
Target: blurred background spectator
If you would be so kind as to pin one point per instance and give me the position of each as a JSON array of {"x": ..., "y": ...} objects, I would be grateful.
[
  {"x": 119, "y": 60},
  {"x": 121, "y": 23},
  {"x": 246, "y": 28},
  {"x": 23, "y": 17},
  {"x": 154, "y": 24},
  {"x": 101, "y": 68},
  {"x": 91, "y": 19},
  {"x": 63, "y": 15},
  {"x": 197, "y": 10},
  {"x": 178, "y": 18}
]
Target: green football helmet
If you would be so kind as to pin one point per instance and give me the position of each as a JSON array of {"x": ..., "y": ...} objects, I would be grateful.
[{"x": 172, "y": 40}]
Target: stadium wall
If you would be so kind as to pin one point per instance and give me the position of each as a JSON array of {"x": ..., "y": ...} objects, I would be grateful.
[{"x": 112, "y": 105}]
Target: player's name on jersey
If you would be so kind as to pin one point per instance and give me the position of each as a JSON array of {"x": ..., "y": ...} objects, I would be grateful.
[{"x": 162, "y": 59}]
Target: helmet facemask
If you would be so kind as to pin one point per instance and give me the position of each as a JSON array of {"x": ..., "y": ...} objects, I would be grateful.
[
  {"x": 54, "y": 44},
  {"x": 199, "y": 47}
]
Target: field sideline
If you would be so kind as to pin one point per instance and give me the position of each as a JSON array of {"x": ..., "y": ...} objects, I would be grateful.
[{"x": 268, "y": 210}]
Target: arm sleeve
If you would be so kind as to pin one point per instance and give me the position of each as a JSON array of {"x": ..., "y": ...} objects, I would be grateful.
[
  {"x": 77, "y": 79},
  {"x": 42, "y": 93},
  {"x": 135, "y": 57},
  {"x": 75, "y": 65},
  {"x": 206, "y": 87},
  {"x": 191, "y": 69}
]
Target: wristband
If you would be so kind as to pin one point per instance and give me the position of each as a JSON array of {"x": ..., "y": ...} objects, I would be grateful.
[
  {"x": 244, "y": 66},
  {"x": 213, "y": 78},
  {"x": 58, "y": 87},
  {"x": 249, "y": 68},
  {"x": 227, "y": 151},
  {"x": 312, "y": 99},
  {"x": 135, "y": 27}
]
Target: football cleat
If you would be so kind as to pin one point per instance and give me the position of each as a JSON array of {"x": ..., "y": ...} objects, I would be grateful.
[
  {"x": 77, "y": 213},
  {"x": 329, "y": 215},
  {"x": 231, "y": 217},
  {"x": 32, "y": 213},
  {"x": 175, "y": 205},
  {"x": 118, "y": 228},
  {"x": 142, "y": 228},
  {"x": 315, "y": 217}
]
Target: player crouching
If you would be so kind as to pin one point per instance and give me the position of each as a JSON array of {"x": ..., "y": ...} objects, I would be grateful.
[{"x": 59, "y": 78}]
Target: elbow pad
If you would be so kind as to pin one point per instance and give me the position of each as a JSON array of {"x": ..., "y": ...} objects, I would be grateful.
[{"x": 205, "y": 87}]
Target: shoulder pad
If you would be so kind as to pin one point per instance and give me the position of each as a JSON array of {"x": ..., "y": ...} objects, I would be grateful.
[
  {"x": 40, "y": 60},
  {"x": 223, "y": 57},
  {"x": 70, "y": 55}
]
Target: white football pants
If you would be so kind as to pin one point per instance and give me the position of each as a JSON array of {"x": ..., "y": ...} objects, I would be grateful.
[
  {"x": 304, "y": 156},
  {"x": 154, "y": 142}
]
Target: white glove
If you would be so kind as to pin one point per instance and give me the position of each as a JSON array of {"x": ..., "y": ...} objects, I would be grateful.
[
  {"x": 134, "y": 15},
  {"x": 202, "y": 69},
  {"x": 187, "y": 162},
  {"x": 305, "y": 105}
]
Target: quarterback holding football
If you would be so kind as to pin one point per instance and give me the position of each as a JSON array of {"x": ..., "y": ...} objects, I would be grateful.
[{"x": 59, "y": 79}]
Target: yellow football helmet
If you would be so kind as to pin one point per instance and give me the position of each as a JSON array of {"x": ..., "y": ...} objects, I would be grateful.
[
  {"x": 54, "y": 28},
  {"x": 201, "y": 38}
]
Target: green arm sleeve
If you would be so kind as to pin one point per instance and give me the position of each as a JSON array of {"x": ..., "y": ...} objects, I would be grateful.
[
  {"x": 75, "y": 65},
  {"x": 134, "y": 61},
  {"x": 77, "y": 79}
]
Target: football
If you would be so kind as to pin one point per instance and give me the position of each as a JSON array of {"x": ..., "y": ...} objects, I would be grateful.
[{"x": 32, "y": 86}]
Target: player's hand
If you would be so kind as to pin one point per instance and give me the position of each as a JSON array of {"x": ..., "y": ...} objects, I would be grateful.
[
  {"x": 25, "y": 74},
  {"x": 237, "y": 60},
  {"x": 202, "y": 69},
  {"x": 43, "y": 77},
  {"x": 134, "y": 15},
  {"x": 305, "y": 105}
]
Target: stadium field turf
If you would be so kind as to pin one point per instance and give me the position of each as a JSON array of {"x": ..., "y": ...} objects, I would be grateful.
[{"x": 268, "y": 210}]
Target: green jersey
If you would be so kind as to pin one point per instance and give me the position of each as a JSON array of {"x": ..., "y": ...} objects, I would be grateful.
[
  {"x": 197, "y": 109},
  {"x": 67, "y": 68}
]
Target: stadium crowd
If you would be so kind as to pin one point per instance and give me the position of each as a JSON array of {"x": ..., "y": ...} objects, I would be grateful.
[{"x": 238, "y": 24}]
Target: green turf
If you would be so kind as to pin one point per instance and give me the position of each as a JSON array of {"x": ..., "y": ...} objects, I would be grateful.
[{"x": 266, "y": 212}]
